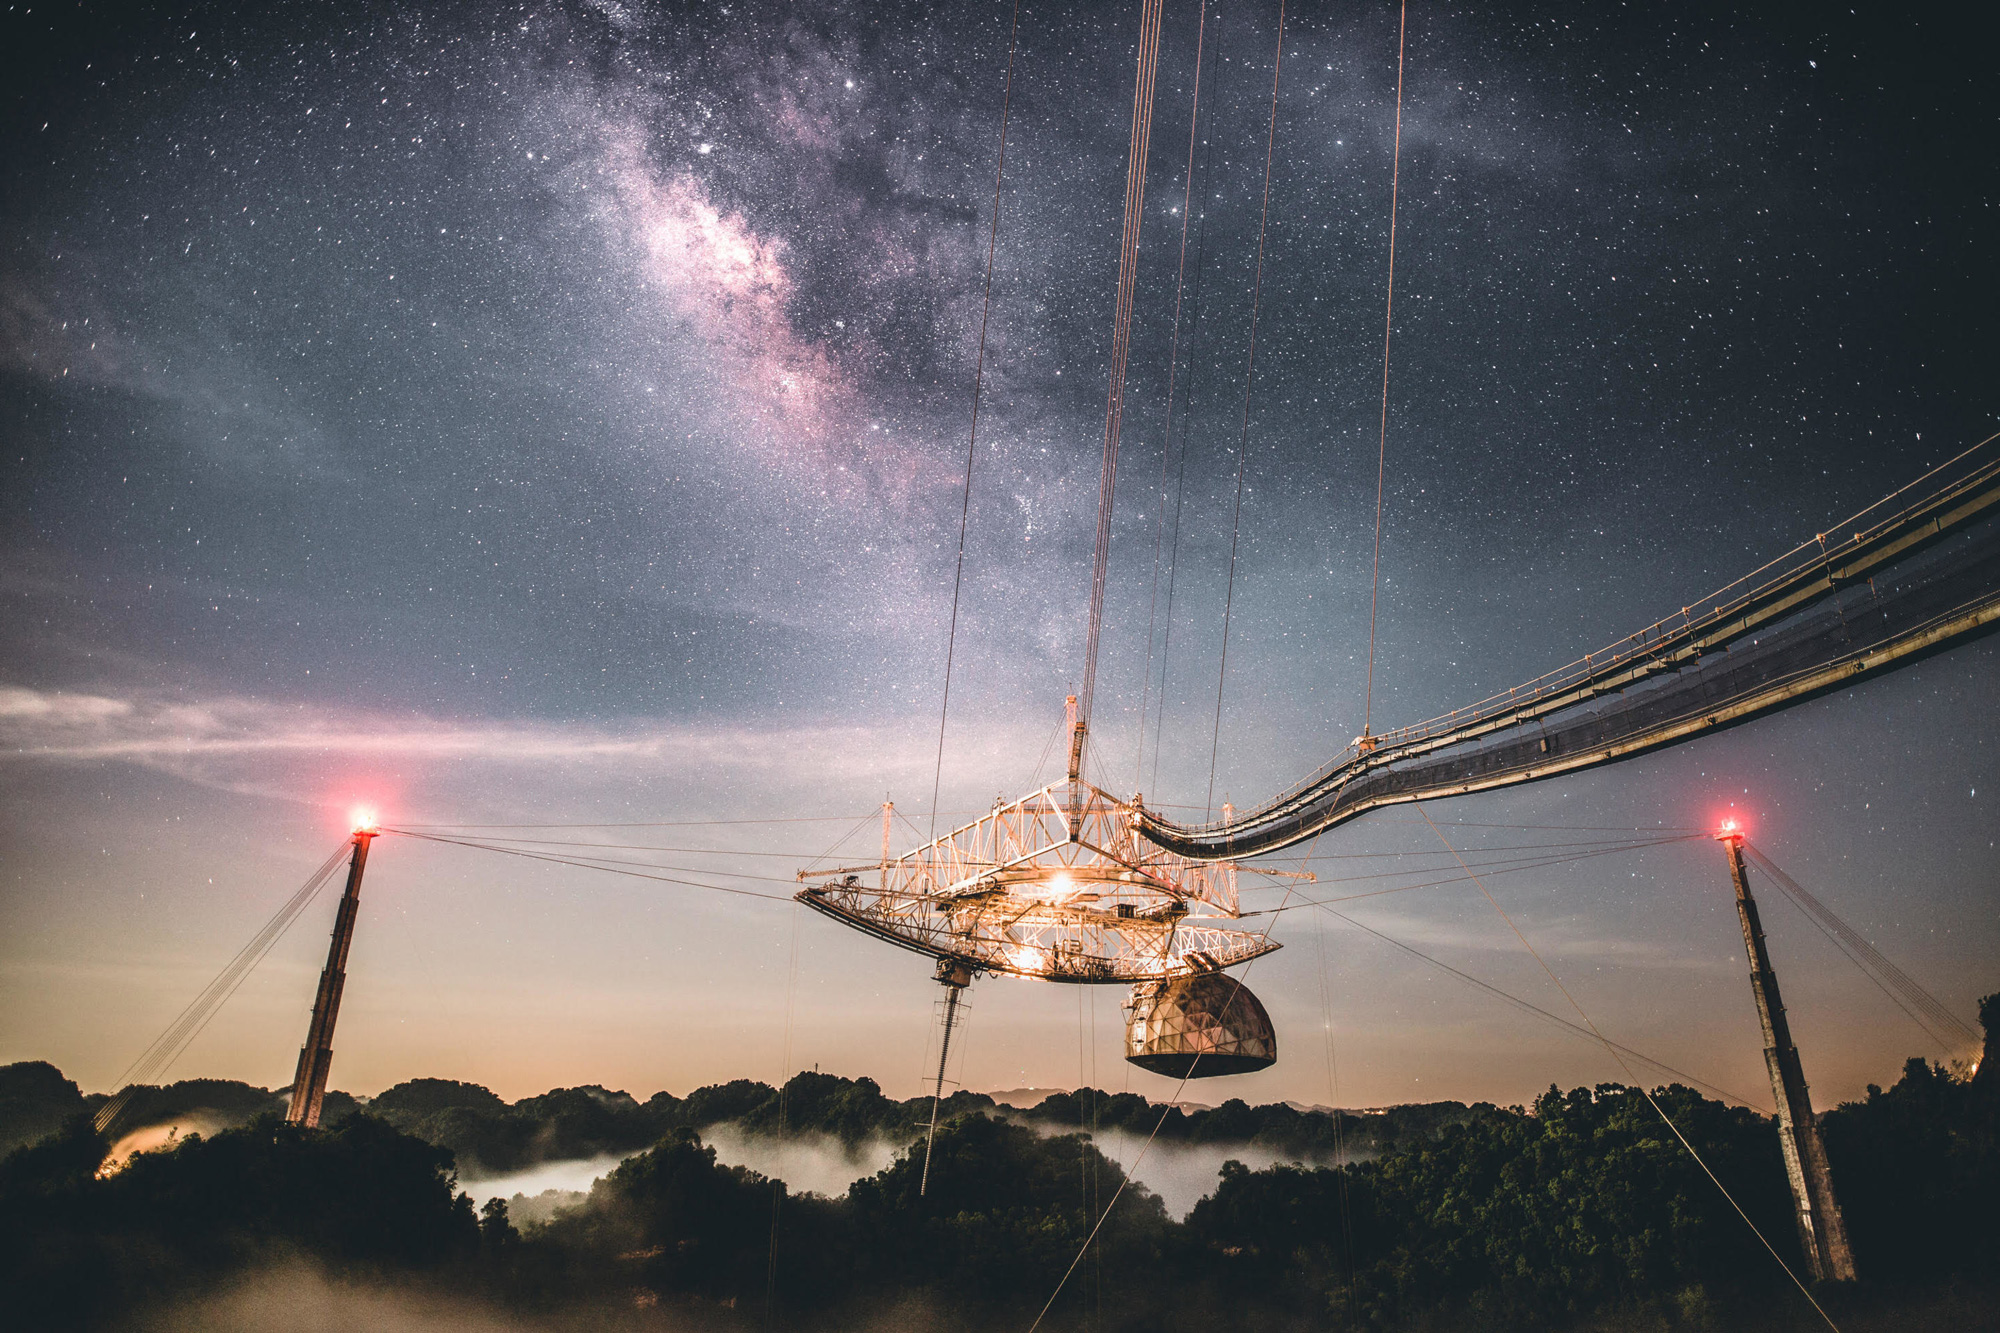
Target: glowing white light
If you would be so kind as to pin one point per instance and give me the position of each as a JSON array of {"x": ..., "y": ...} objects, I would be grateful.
[{"x": 1025, "y": 957}]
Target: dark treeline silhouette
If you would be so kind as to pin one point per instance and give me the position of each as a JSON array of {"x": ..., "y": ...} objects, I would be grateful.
[
  {"x": 489, "y": 1136},
  {"x": 1582, "y": 1211}
]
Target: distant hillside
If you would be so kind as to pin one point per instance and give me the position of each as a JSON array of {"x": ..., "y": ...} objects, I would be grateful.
[
  {"x": 1582, "y": 1214},
  {"x": 490, "y": 1136}
]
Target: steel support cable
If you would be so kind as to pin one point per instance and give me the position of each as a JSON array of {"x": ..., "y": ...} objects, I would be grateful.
[
  {"x": 1942, "y": 1042},
  {"x": 1659, "y": 829},
  {"x": 1173, "y": 370},
  {"x": 1867, "y": 956},
  {"x": 159, "y": 1056},
  {"x": 1048, "y": 748},
  {"x": 612, "y": 862},
  {"x": 1339, "y": 1134},
  {"x": 722, "y": 823},
  {"x": 1532, "y": 1008},
  {"x": 643, "y": 847},
  {"x": 195, "y": 1019},
  {"x": 1617, "y": 1055},
  {"x": 978, "y": 380},
  {"x": 195, "y": 1016},
  {"x": 676, "y": 823},
  {"x": 784, "y": 1083},
  {"x": 841, "y": 841},
  {"x": 1388, "y": 312},
  {"x": 1187, "y": 424},
  {"x": 1853, "y": 941},
  {"x": 1121, "y": 343},
  {"x": 1249, "y": 378},
  {"x": 607, "y": 862},
  {"x": 1555, "y": 854},
  {"x": 1118, "y": 1193},
  {"x": 586, "y": 865},
  {"x": 1672, "y": 836},
  {"x": 1496, "y": 867},
  {"x": 1491, "y": 868},
  {"x": 1575, "y": 828}
]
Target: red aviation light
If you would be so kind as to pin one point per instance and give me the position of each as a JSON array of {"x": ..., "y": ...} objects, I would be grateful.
[
  {"x": 363, "y": 820},
  {"x": 1730, "y": 830}
]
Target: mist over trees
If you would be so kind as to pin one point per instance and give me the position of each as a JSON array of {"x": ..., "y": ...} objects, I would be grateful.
[{"x": 1581, "y": 1211}]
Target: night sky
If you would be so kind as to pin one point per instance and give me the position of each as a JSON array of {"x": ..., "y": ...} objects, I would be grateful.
[{"x": 557, "y": 414}]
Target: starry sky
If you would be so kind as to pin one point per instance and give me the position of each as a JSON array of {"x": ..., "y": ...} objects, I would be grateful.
[{"x": 557, "y": 414}]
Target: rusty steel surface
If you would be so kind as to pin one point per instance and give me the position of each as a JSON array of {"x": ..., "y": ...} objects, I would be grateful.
[{"x": 1056, "y": 885}]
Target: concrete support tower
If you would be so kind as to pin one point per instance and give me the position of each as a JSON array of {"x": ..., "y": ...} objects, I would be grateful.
[
  {"x": 1822, "y": 1233},
  {"x": 316, "y": 1056}
]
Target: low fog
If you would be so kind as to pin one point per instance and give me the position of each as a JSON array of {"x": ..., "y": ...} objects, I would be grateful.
[
  {"x": 1181, "y": 1174},
  {"x": 573, "y": 1176},
  {"x": 163, "y": 1135},
  {"x": 302, "y": 1299}
]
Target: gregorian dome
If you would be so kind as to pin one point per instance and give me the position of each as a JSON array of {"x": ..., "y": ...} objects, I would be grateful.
[{"x": 1198, "y": 1026}]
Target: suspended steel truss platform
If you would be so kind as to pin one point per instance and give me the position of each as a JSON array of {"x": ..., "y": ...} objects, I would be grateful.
[
  {"x": 1913, "y": 575},
  {"x": 1057, "y": 885}
]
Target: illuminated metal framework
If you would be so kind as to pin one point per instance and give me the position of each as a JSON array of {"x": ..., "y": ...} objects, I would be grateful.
[{"x": 1056, "y": 885}]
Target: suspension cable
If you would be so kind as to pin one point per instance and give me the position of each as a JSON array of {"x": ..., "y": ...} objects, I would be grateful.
[
  {"x": 1187, "y": 425},
  {"x": 1173, "y": 367},
  {"x": 192, "y": 1021},
  {"x": 1490, "y": 867},
  {"x": 1165, "y": 1110},
  {"x": 1615, "y": 1053},
  {"x": 972, "y": 434},
  {"x": 1249, "y": 378},
  {"x": 1873, "y": 965},
  {"x": 1529, "y": 1007},
  {"x": 784, "y": 1089},
  {"x": 1121, "y": 346},
  {"x": 592, "y": 864},
  {"x": 1388, "y": 310},
  {"x": 1339, "y": 1132}
]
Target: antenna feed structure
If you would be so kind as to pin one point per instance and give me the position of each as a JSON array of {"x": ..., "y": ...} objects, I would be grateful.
[{"x": 1058, "y": 885}]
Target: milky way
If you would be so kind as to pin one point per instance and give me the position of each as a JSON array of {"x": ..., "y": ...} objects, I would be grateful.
[{"x": 560, "y": 412}]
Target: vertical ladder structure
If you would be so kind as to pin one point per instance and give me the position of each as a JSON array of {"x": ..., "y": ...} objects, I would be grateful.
[
  {"x": 954, "y": 976},
  {"x": 316, "y": 1056},
  {"x": 1822, "y": 1233}
]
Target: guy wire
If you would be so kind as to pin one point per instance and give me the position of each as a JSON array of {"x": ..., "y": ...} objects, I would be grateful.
[
  {"x": 1173, "y": 368},
  {"x": 972, "y": 435},
  {"x": 1612, "y": 1048},
  {"x": 1249, "y": 378},
  {"x": 1388, "y": 310}
]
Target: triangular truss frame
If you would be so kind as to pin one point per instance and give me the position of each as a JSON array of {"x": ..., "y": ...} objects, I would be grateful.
[{"x": 1057, "y": 885}]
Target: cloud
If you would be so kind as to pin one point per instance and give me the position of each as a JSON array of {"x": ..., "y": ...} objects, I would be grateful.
[
  {"x": 61, "y": 711},
  {"x": 292, "y": 751},
  {"x": 815, "y": 1163},
  {"x": 37, "y": 724}
]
